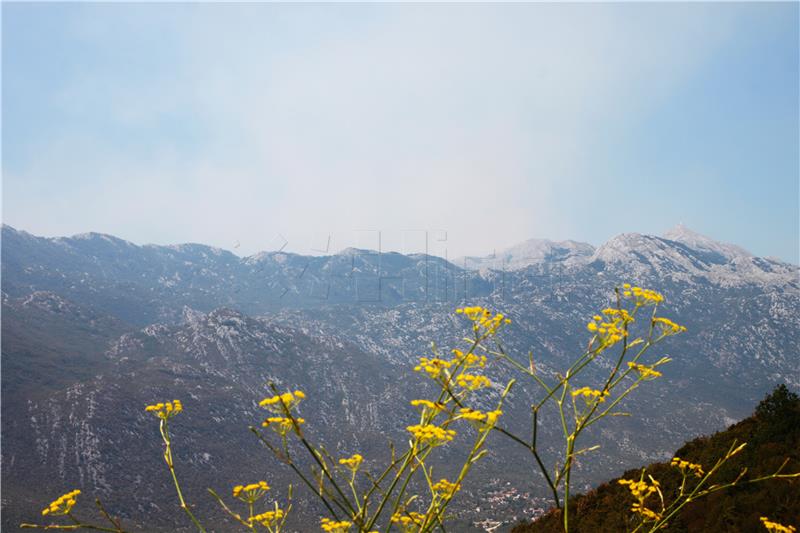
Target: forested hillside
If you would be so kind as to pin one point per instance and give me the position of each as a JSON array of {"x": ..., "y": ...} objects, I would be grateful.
[{"x": 772, "y": 434}]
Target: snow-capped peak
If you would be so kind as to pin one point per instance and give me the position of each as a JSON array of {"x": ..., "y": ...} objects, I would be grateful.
[
  {"x": 532, "y": 252},
  {"x": 682, "y": 234},
  {"x": 683, "y": 254}
]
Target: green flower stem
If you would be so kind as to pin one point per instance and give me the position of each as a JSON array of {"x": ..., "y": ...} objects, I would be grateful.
[
  {"x": 482, "y": 435},
  {"x": 115, "y": 522},
  {"x": 77, "y": 525},
  {"x": 164, "y": 427},
  {"x": 235, "y": 516},
  {"x": 287, "y": 459},
  {"x": 315, "y": 454}
]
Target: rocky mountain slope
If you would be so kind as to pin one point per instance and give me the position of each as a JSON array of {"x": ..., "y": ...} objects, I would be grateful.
[
  {"x": 84, "y": 425},
  {"x": 95, "y": 327}
]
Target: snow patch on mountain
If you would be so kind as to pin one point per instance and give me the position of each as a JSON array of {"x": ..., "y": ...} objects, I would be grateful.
[
  {"x": 532, "y": 252},
  {"x": 684, "y": 235},
  {"x": 688, "y": 256}
]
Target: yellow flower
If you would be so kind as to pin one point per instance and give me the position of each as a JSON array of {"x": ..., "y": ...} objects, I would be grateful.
[
  {"x": 281, "y": 424},
  {"x": 640, "y": 296},
  {"x": 611, "y": 329},
  {"x": 63, "y": 505},
  {"x": 332, "y": 526},
  {"x": 431, "y": 435},
  {"x": 484, "y": 322},
  {"x": 776, "y": 527},
  {"x": 446, "y": 489},
  {"x": 353, "y": 462},
  {"x": 427, "y": 404},
  {"x": 280, "y": 403},
  {"x": 645, "y": 371},
  {"x": 408, "y": 521},
  {"x": 667, "y": 326},
  {"x": 590, "y": 394},
  {"x": 472, "y": 382},
  {"x": 481, "y": 421},
  {"x": 648, "y": 514},
  {"x": 165, "y": 410},
  {"x": 252, "y": 492},
  {"x": 686, "y": 465},
  {"x": 270, "y": 518},
  {"x": 433, "y": 366},
  {"x": 641, "y": 490},
  {"x": 468, "y": 360}
]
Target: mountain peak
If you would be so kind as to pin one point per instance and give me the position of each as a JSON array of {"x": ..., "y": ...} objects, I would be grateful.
[
  {"x": 684, "y": 235},
  {"x": 685, "y": 254},
  {"x": 350, "y": 250},
  {"x": 93, "y": 236},
  {"x": 680, "y": 230}
]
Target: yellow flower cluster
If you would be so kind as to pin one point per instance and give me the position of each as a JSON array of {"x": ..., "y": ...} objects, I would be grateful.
[
  {"x": 165, "y": 410},
  {"x": 431, "y": 434},
  {"x": 468, "y": 360},
  {"x": 644, "y": 370},
  {"x": 269, "y": 519},
  {"x": 427, "y": 404},
  {"x": 686, "y": 465},
  {"x": 611, "y": 328},
  {"x": 433, "y": 366},
  {"x": 353, "y": 462},
  {"x": 288, "y": 399},
  {"x": 641, "y": 490},
  {"x": 641, "y": 296},
  {"x": 484, "y": 322},
  {"x": 281, "y": 424},
  {"x": 408, "y": 521},
  {"x": 590, "y": 394},
  {"x": 63, "y": 505},
  {"x": 648, "y": 514},
  {"x": 472, "y": 382},
  {"x": 446, "y": 489},
  {"x": 478, "y": 419},
  {"x": 250, "y": 493},
  {"x": 332, "y": 526},
  {"x": 667, "y": 326},
  {"x": 776, "y": 527}
]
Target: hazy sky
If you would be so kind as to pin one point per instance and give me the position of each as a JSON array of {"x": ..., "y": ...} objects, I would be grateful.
[{"x": 240, "y": 125}]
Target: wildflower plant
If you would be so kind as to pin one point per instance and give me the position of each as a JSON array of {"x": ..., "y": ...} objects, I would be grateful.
[
  {"x": 165, "y": 411},
  {"x": 62, "y": 506},
  {"x": 653, "y": 514},
  {"x": 776, "y": 527},
  {"x": 272, "y": 520},
  {"x": 614, "y": 338},
  {"x": 358, "y": 495}
]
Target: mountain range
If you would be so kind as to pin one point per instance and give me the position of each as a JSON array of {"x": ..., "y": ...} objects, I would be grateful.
[{"x": 95, "y": 327}]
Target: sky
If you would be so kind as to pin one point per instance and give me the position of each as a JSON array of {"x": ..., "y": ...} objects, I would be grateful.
[{"x": 451, "y": 128}]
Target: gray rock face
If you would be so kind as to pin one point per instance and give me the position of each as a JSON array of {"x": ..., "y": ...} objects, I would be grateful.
[{"x": 95, "y": 327}]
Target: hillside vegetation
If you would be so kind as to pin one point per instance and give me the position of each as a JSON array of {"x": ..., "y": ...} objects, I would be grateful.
[{"x": 772, "y": 434}]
